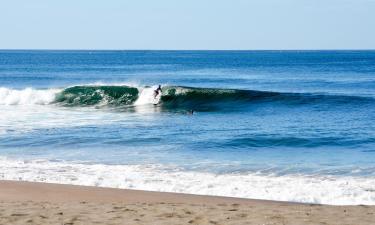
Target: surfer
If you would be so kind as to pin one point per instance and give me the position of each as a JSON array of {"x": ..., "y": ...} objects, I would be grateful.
[{"x": 157, "y": 91}]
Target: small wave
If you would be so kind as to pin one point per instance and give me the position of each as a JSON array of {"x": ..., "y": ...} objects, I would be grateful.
[
  {"x": 307, "y": 142},
  {"x": 173, "y": 97}
]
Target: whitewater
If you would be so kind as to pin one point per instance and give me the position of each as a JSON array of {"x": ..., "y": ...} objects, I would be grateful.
[
  {"x": 298, "y": 188},
  {"x": 27, "y": 96}
]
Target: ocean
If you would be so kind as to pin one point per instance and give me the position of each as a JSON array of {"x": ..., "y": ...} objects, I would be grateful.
[{"x": 278, "y": 125}]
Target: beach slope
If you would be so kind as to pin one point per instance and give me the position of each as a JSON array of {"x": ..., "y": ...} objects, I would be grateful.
[{"x": 41, "y": 203}]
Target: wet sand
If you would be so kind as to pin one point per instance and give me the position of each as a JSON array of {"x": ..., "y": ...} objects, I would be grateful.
[{"x": 41, "y": 203}]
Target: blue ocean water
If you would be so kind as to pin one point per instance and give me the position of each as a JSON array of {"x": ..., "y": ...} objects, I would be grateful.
[{"x": 275, "y": 119}]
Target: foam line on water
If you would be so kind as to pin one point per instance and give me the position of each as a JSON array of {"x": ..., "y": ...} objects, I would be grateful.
[{"x": 297, "y": 188}]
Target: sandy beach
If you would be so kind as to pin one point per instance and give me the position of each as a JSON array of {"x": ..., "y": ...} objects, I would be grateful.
[{"x": 41, "y": 203}]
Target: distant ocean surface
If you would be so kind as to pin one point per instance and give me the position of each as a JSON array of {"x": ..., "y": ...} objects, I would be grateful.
[{"x": 279, "y": 125}]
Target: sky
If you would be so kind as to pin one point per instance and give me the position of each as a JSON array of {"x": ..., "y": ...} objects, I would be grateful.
[{"x": 187, "y": 24}]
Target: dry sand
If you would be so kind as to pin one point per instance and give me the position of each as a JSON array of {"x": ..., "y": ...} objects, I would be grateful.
[{"x": 40, "y": 203}]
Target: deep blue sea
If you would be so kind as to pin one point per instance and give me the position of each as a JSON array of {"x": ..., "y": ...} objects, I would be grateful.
[{"x": 279, "y": 125}]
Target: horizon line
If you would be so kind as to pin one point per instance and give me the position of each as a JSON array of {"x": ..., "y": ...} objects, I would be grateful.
[{"x": 98, "y": 49}]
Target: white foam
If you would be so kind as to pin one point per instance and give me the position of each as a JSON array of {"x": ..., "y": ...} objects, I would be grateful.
[
  {"x": 146, "y": 96},
  {"x": 26, "y": 118},
  {"x": 27, "y": 96},
  {"x": 298, "y": 188}
]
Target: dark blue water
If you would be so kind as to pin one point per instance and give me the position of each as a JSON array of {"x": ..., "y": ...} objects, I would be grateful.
[{"x": 281, "y": 113}]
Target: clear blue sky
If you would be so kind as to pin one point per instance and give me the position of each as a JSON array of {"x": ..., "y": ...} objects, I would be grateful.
[{"x": 187, "y": 24}]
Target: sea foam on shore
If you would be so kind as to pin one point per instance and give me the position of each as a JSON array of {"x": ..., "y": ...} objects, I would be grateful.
[{"x": 295, "y": 188}]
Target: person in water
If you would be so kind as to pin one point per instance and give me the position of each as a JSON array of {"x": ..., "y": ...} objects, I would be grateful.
[{"x": 157, "y": 91}]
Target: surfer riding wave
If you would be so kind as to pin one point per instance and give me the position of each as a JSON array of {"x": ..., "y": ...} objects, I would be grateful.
[{"x": 157, "y": 91}]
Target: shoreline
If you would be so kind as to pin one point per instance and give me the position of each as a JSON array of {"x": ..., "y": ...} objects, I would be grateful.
[
  {"x": 44, "y": 203},
  {"x": 59, "y": 193}
]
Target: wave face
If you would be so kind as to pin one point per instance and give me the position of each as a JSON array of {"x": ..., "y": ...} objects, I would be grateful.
[
  {"x": 173, "y": 97},
  {"x": 206, "y": 99},
  {"x": 93, "y": 95}
]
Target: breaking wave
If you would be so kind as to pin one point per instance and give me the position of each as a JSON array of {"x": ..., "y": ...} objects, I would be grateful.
[
  {"x": 27, "y": 96},
  {"x": 173, "y": 97}
]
